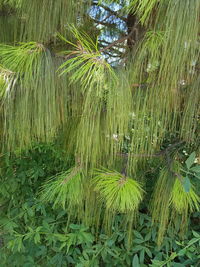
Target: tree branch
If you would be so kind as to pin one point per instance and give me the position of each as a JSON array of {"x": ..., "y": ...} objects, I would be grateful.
[
  {"x": 121, "y": 40},
  {"x": 108, "y": 43},
  {"x": 164, "y": 153},
  {"x": 158, "y": 154},
  {"x": 103, "y": 23},
  {"x": 115, "y": 13}
]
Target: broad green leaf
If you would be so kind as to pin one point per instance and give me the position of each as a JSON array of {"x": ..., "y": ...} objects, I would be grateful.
[
  {"x": 148, "y": 236},
  {"x": 112, "y": 253},
  {"x": 61, "y": 237},
  {"x": 190, "y": 160},
  {"x": 37, "y": 238},
  {"x": 142, "y": 255},
  {"x": 193, "y": 241},
  {"x": 135, "y": 262},
  {"x": 38, "y": 228},
  {"x": 178, "y": 243},
  {"x": 148, "y": 251},
  {"x": 196, "y": 169},
  {"x": 186, "y": 184},
  {"x": 182, "y": 252},
  {"x": 64, "y": 244},
  {"x": 20, "y": 245},
  {"x": 137, "y": 234},
  {"x": 110, "y": 242},
  {"x": 196, "y": 234},
  {"x": 46, "y": 226},
  {"x": 87, "y": 237}
]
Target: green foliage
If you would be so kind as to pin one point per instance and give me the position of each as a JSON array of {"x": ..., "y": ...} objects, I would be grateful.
[
  {"x": 25, "y": 56},
  {"x": 30, "y": 95},
  {"x": 86, "y": 64},
  {"x": 161, "y": 201},
  {"x": 184, "y": 200},
  {"x": 57, "y": 87},
  {"x": 143, "y": 8},
  {"x": 173, "y": 194},
  {"x": 119, "y": 193},
  {"x": 64, "y": 189},
  {"x": 33, "y": 233},
  {"x": 190, "y": 161},
  {"x": 53, "y": 17}
]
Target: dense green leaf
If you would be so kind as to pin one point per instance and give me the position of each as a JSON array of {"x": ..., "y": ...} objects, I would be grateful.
[
  {"x": 190, "y": 161},
  {"x": 135, "y": 262},
  {"x": 186, "y": 184},
  {"x": 196, "y": 234},
  {"x": 196, "y": 169}
]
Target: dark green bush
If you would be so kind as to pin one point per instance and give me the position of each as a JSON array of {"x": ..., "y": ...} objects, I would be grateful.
[{"x": 34, "y": 234}]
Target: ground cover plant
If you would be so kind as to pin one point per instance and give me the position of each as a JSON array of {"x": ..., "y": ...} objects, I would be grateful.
[{"x": 35, "y": 233}]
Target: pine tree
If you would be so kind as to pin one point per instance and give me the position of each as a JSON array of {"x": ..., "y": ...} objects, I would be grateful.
[{"x": 110, "y": 81}]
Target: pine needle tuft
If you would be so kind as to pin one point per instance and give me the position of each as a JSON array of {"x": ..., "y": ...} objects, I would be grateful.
[
  {"x": 184, "y": 201},
  {"x": 64, "y": 190},
  {"x": 119, "y": 193}
]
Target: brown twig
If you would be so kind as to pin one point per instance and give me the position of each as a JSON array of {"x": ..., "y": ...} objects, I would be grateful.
[
  {"x": 158, "y": 154},
  {"x": 163, "y": 153},
  {"x": 169, "y": 161},
  {"x": 121, "y": 40},
  {"x": 115, "y": 13}
]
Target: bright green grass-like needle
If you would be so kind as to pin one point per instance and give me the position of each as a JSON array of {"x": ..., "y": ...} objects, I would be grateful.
[
  {"x": 184, "y": 201},
  {"x": 119, "y": 193},
  {"x": 64, "y": 190}
]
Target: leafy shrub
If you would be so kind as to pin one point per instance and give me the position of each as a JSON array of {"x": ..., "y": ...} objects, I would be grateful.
[{"x": 33, "y": 233}]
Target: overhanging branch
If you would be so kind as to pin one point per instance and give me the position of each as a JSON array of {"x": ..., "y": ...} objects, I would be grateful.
[
  {"x": 121, "y": 40},
  {"x": 115, "y": 13}
]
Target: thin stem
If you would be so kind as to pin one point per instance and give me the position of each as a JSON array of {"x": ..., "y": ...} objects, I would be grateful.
[
  {"x": 115, "y": 13},
  {"x": 121, "y": 40}
]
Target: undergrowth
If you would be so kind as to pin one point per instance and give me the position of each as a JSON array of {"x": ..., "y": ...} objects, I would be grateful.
[{"x": 35, "y": 233}]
